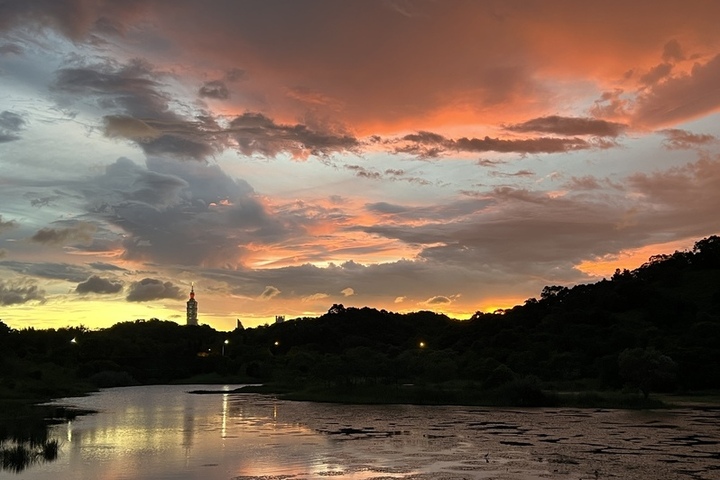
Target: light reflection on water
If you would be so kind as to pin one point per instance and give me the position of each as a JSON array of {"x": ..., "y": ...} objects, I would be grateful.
[{"x": 163, "y": 432}]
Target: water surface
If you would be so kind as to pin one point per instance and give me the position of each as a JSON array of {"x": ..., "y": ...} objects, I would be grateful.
[{"x": 163, "y": 432}]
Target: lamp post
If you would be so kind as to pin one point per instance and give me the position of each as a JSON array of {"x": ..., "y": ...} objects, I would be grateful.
[{"x": 223, "y": 347}]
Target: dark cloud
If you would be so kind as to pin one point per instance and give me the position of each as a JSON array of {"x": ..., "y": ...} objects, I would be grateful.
[
  {"x": 570, "y": 126},
  {"x": 178, "y": 146},
  {"x": 485, "y": 162},
  {"x": 19, "y": 292},
  {"x": 535, "y": 145},
  {"x": 363, "y": 172},
  {"x": 386, "y": 208},
  {"x": 214, "y": 89},
  {"x": 673, "y": 52},
  {"x": 10, "y": 125},
  {"x": 149, "y": 289},
  {"x": 106, "y": 266},
  {"x": 96, "y": 284},
  {"x": 424, "y": 144},
  {"x": 55, "y": 271},
  {"x": 428, "y": 144},
  {"x": 257, "y": 134},
  {"x": 183, "y": 213},
  {"x": 144, "y": 112},
  {"x": 519, "y": 173},
  {"x": 514, "y": 231},
  {"x": 125, "y": 182},
  {"x": 677, "y": 139},
  {"x": 81, "y": 232}
]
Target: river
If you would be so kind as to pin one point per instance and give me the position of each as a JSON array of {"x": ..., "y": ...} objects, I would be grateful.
[{"x": 164, "y": 432}]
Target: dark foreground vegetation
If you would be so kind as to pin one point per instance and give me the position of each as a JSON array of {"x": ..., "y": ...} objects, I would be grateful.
[{"x": 612, "y": 343}]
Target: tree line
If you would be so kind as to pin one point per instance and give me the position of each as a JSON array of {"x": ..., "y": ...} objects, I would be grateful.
[{"x": 655, "y": 328}]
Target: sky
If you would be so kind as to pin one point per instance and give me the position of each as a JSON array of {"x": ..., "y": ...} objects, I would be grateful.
[{"x": 285, "y": 156}]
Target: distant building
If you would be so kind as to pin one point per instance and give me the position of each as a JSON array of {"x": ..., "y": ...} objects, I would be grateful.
[
  {"x": 192, "y": 308},
  {"x": 239, "y": 325},
  {"x": 279, "y": 318}
]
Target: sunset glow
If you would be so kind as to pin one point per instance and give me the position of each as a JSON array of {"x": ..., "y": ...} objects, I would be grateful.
[{"x": 452, "y": 156}]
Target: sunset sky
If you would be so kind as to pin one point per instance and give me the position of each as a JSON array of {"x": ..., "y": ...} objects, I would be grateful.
[{"x": 453, "y": 156}]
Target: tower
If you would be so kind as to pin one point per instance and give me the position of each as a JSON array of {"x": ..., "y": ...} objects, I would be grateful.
[{"x": 192, "y": 308}]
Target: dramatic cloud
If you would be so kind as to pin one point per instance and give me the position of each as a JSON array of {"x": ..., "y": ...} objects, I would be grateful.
[
  {"x": 149, "y": 289},
  {"x": 19, "y": 292},
  {"x": 428, "y": 144},
  {"x": 462, "y": 156},
  {"x": 257, "y": 134},
  {"x": 214, "y": 89},
  {"x": 183, "y": 213},
  {"x": 96, "y": 284},
  {"x": 81, "y": 232},
  {"x": 570, "y": 126},
  {"x": 682, "y": 97},
  {"x": 144, "y": 112}
]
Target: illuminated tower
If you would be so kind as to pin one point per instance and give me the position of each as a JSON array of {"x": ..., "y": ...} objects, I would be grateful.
[{"x": 192, "y": 305}]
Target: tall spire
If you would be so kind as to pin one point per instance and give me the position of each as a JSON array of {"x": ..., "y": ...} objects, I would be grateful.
[{"x": 192, "y": 307}]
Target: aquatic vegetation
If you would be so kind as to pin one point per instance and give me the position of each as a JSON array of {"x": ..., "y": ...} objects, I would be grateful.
[{"x": 17, "y": 456}]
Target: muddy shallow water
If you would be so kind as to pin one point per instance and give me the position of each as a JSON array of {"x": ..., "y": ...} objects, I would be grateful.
[{"x": 163, "y": 432}]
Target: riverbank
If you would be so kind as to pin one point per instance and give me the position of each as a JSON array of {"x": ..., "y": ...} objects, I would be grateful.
[
  {"x": 515, "y": 395},
  {"x": 518, "y": 393}
]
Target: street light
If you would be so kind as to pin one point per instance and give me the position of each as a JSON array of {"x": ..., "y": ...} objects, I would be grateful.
[{"x": 223, "y": 347}]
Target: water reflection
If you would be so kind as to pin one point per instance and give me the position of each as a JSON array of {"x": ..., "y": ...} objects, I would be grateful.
[{"x": 164, "y": 432}]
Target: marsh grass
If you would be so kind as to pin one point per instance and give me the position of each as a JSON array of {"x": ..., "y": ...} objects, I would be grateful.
[
  {"x": 24, "y": 433},
  {"x": 16, "y": 457}
]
